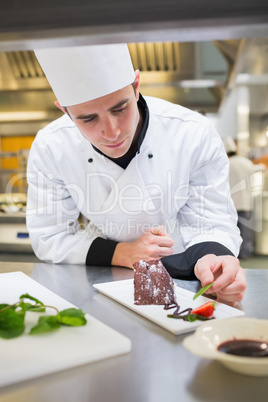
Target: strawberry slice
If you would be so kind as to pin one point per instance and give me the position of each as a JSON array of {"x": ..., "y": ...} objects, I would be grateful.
[{"x": 206, "y": 310}]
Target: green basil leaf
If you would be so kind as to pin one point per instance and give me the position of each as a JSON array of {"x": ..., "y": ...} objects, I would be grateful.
[
  {"x": 45, "y": 324},
  {"x": 72, "y": 317},
  {"x": 202, "y": 290},
  {"x": 11, "y": 324}
]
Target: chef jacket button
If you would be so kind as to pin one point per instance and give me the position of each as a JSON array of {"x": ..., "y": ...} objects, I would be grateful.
[
  {"x": 90, "y": 160},
  {"x": 150, "y": 156}
]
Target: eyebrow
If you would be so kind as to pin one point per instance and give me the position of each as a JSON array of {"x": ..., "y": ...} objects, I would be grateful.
[{"x": 116, "y": 106}]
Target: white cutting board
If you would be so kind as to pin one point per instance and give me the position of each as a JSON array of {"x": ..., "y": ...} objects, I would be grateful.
[
  {"x": 28, "y": 356},
  {"x": 123, "y": 292}
]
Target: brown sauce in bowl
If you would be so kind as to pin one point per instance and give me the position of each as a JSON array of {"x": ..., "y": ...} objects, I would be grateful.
[{"x": 244, "y": 347}]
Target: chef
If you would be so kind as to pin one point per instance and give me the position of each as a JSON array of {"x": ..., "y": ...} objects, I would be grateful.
[{"x": 149, "y": 177}]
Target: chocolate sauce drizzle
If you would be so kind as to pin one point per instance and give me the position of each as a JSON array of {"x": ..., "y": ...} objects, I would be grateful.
[
  {"x": 185, "y": 315},
  {"x": 177, "y": 311}
]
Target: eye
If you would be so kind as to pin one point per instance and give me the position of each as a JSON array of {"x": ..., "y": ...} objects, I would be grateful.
[
  {"x": 120, "y": 110},
  {"x": 89, "y": 120}
]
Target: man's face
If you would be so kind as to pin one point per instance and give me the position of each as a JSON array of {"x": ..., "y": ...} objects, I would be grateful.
[{"x": 110, "y": 122}]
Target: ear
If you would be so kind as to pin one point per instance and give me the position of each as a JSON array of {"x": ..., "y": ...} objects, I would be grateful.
[
  {"x": 56, "y": 103},
  {"x": 137, "y": 83}
]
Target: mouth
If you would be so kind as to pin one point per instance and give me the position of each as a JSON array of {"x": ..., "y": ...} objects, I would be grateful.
[{"x": 115, "y": 145}]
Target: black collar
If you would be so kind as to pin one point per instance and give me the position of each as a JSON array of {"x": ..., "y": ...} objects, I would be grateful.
[{"x": 124, "y": 161}]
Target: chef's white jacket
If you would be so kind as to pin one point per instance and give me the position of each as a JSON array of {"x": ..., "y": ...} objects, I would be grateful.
[{"x": 179, "y": 178}]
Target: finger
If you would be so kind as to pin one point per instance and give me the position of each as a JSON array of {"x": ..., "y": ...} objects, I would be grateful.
[
  {"x": 203, "y": 269},
  {"x": 164, "y": 241},
  {"x": 233, "y": 293},
  {"x": 165, "y": 251},
  {"x": 157, "y": 253},
  {"x": 225, "y": 274},
  {"x": 232, "y": 299},
  {"x": 231, "y": 302},
  {"x": 235, "y": 289},
  {"x": 159, "y": 230},
  {"x": 160, "y": 241}
]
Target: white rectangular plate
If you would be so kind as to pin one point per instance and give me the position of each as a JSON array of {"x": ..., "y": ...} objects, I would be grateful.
[
  {"x": 28, "y": 356},
  {"x": 123, "y": 292}
]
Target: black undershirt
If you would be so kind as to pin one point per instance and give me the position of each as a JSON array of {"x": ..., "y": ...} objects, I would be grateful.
[{"x": 178, "y": 265}]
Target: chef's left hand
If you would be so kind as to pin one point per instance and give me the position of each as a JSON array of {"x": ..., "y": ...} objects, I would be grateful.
[{"x": 228, "y": 276}]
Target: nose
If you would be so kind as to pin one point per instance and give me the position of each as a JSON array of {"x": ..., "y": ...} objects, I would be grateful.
[{"x": 110, "y": 129}]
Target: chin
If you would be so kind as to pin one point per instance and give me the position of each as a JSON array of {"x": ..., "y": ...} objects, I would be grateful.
[{"x": 117, "y": 155}]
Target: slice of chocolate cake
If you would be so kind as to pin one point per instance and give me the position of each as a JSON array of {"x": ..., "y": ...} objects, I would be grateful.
[{"x": 153, "y": 284}]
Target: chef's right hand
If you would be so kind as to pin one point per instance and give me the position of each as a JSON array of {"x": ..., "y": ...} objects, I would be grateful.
[
  {"x": 153, "y": 244},
  {"x": 226, "y": 273}
]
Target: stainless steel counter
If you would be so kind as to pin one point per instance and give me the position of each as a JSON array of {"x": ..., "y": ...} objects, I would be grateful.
[{"x": 158, "y": 367}]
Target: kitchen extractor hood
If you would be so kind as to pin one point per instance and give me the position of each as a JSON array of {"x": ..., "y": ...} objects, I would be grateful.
[
  {"x": 189, "y": 52},
  {"x": 192, "y": 74},
  {"x": 37, "y": 23}
]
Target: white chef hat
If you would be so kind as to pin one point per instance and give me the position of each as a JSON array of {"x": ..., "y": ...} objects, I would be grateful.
[
  {"x": 229, "y": 144},
  {"x": 82, "y": 73}
]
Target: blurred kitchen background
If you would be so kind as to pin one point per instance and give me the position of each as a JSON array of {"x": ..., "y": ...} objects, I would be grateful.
[{"x": 217, "y": 64}]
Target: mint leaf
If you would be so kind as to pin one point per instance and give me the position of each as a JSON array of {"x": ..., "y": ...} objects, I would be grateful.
[
  {"x": 178, "y": 316},
  {"x": 12, "y": 317},
  {"x": 202, "y": 290},
  {"x": 31, "y": 307},
  {"x": 191, "y": 317},
  {"x": 27, "y": 296},
  {"x": 3, "y": 306},
  {"x": 45, "y": 324},
  {"x": 21, "y": 314},
  {"x": 11, "y": 324},
  {"x": 72, "y": 317},
  {"x": 38, "y": 307}
]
